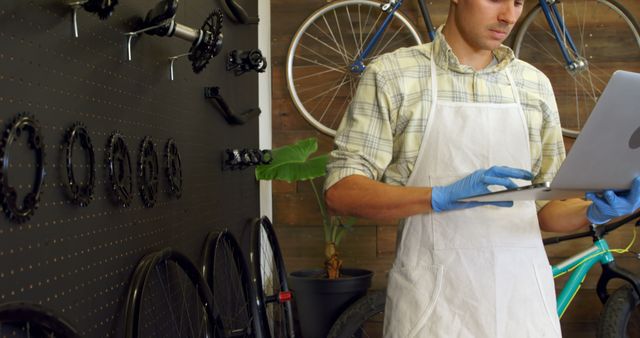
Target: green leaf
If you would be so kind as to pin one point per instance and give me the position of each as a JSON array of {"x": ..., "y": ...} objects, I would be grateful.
[{"x": 292, "y": 163}]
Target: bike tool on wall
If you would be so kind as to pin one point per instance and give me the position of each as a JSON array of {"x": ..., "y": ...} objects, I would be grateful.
[
  {"x": 102, "y": 8},
  {"x": 206, "y": 42}
]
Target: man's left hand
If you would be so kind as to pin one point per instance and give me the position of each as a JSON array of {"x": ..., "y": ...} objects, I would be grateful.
[{"x": 610, "y": 204}]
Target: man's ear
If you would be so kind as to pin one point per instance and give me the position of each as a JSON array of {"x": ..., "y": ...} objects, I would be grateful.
[{"x": 454, "y": 1}]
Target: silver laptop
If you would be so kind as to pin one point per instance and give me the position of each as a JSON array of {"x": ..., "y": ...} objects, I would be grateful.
[{"x": 606, "y": 154}]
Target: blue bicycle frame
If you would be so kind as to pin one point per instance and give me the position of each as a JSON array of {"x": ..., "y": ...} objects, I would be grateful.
[
  {"x": 582, "y": 262},
  {"x": 585, "y": 260},
  {"x": 561, "y": 34},
  {"x": 548, "y": 7}
]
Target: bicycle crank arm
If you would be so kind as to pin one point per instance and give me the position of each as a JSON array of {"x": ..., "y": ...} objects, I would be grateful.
[{"x": 225, "y": 109}]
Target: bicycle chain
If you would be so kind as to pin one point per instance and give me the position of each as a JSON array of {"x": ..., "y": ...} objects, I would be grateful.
[
  {"x": 174, "y": 168},
  {"x": 202, "y": 51},
  {"x": 21, "y": 212},
  {"x": 103, "y": 8},
  {"x": 118, "y": 164},
  {"x": 148, "y": 172},
  {"x": 80, "y": 194}
]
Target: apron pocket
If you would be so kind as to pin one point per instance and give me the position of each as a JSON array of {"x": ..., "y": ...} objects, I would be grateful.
[{"x": 411, "y": 296}]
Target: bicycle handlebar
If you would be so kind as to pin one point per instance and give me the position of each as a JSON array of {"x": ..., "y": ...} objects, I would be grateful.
[{"x": 600, "y": 231}]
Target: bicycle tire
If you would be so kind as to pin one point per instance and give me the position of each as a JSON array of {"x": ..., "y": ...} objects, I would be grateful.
[
  {"x": 306, "y": 89},
  {"x": 39, "y": 322},
  {"x": 364, "y": 318},
  {"x": 227, "y": 274},
  {"x": 577, "y": 92},
  {"x": 620, "y": 316},
  {"x": 273, "y": 292},
  {"x": 175, "y": 266}
]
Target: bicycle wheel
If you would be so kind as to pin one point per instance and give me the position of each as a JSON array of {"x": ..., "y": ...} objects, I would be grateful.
[
  {"x": 620, "y": 317},
  {"x": 607, "y": 37},
  {"x": 319, "y": 78},
  {"x": 234, "y": 299},
  {"x": 169, "y": 298},
  {"x": 270, "y": 280},
  {"x": 31, "y": 320},
  {"x": 364, "y": 318}
]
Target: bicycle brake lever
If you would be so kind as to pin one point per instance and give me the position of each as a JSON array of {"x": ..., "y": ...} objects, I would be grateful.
[
  {"x": 236, "y": 13},
  {"x": 227, "y": 112}
]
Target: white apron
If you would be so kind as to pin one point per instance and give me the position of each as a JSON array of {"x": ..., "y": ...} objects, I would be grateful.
[{"x": 479, "y": 272}]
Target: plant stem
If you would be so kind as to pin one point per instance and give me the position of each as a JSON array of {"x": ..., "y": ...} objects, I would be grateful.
[{"x": 326, "y": 223}]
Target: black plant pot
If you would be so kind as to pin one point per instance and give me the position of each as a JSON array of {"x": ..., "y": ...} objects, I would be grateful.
[{"x": 320, "y": 301}]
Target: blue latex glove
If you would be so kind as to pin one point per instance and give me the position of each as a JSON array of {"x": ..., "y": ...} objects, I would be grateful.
[
  {"x": 446, "y": 197},
  {"x": 612, "y": 204}
]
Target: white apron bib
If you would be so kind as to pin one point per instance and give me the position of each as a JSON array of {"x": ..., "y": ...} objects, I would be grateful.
[{"x": 479, "y": 272}]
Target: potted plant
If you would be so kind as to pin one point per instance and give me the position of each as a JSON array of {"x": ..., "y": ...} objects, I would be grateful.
[{"x": 320, "y": 294}]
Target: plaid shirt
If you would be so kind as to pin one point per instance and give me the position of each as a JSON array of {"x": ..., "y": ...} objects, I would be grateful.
[{"x": 380, "y": 134}]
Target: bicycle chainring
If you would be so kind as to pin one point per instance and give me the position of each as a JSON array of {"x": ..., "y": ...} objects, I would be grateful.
[
  {"x": 211, "y": 43},
  {"x": 81, "y": 194},
  {"x": 148, "y": 172},
  {"x": 21, "y": 212},
  {"x": 174, "y": 168},
  {"x": 119, "y": 169},
  {"x": 103, "y": 8}
]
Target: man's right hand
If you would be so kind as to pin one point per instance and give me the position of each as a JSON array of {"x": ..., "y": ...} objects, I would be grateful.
[{"x": 446, "y": 198}]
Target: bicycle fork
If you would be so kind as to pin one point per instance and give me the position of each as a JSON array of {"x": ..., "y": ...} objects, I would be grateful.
[
  {"x": 357, "y": 67},
  {"x": 574, "y": 62}
]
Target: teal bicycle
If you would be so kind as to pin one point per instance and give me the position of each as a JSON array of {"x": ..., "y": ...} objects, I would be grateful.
[{"x": 620, "y": 316}]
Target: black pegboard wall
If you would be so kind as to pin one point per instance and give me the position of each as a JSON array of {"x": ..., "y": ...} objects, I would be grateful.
[{"x": 78, "y": 261}]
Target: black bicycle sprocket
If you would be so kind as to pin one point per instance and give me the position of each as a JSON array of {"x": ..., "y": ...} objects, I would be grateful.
[
  {"x": 81, "y": 194},
  {"x": 119, "y": 169},
  {"x": 103, "y": 8},
  {"x": 148, "y": 172},
  {"x": 21, "y": 212},
  {"x": 174, "y": 168},
  {"x": 202, "y": 50}
]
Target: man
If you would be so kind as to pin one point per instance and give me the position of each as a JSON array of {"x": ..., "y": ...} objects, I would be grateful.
[{"x": 434, "y": 123}]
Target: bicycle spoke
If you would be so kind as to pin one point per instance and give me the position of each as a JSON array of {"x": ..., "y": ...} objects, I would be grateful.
[
  {"x": 330, "y": 62},
  {"x": 166, "y": 297},
  {"x": 326, "y": 45},
  {"x": 328, "y": 90},
  {"x": 366, "y": 38},
  {"x": 320, "y": 64},
  {"x": 333, "y": 37},
  {"x": 353, "y": 31},
  {"x": 335, "y": 15}
]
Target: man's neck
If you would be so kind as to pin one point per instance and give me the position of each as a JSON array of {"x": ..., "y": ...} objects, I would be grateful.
[{"x": 467, "y": 55}]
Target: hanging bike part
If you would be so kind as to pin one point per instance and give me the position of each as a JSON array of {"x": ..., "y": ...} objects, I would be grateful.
[
  {"x": 227, "y": 274},
  {"x": 174, "y": 168},
  {"x": 228, "y": 114},
  {"x": 80, "y": 192},
  {"x": 119, "y": 169},
  {"x": 102, "y": 8},
  {"x": 206, "y": 41},
  {"x": 237, "y": 14},
  {"x": 240, "y": 61},
  {"x": 148, "y": 172},
  {"x": 168, "y": 297},
  {"x": 21, "y": 211},
  {"x": 19, "y": 319},
  {"x": 235, "y": 159}
]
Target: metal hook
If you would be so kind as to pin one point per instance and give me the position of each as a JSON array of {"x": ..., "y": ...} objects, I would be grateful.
[
  {"x": 131, "y": 35},
  {"x": 172, "y": 59},
  {"x": 74, "y": 18}
]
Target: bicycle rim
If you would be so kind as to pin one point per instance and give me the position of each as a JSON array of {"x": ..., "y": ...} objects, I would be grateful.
[
  {"x": 168, "y": 298},
  {"x": 270, "y": 278},
  {"x": 322, "y": 50},
  {"x": 604, "y": 33},
  {"x": 230, "y": 284}
]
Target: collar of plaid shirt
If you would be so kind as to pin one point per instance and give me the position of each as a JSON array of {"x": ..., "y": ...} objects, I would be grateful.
[{"x": 446, "y": 59}]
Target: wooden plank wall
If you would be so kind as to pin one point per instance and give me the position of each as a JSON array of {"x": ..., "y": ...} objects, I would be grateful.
[{"x": 371, "y": 245}]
